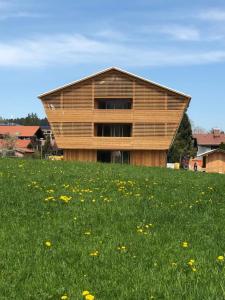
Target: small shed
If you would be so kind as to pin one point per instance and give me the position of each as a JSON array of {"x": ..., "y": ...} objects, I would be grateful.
[{"x": 214, "y": 161}]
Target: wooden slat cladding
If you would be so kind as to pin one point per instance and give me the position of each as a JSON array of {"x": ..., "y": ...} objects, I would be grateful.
[
  {"x": 149, "y": 158},
  {"x": 115, "y": 115},
  {"x": 71, "y": 98},
  {"x": 215, "y": 163},
  {"x": 151, "y": 98},
  {"x": 114, "y": 143},
  {"x": 78, "y": 98},
  {"x": 80, "y": 155},
  {"x": 72, "y": 129},
  {"x": 52, "y": 102},
  {"x": 176, "y": 103},
  {"x": 113, "y": 85},
  {"x": 154, "y": 129},
  {"x": 145, "y": 96}
]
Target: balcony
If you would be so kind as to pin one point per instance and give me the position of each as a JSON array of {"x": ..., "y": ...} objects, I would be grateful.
[
  {"x": 114, "y": 143},
  {"x": 113, "y": 115}
]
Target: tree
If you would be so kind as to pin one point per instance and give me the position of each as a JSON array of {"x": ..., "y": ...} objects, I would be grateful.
[
  {"x": 47, "y": 147},
  {"x": 222, "y": 146},
  {"x": 198, "y": 130},
  {"x": 31, "y": 119},
  {"x": 9, "y": 145},
  {"x": 183, "y": 143}
]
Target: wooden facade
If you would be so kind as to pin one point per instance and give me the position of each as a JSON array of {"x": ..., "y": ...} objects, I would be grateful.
[
  {"x": 214, "y": 161},
  {"x": 154, "y": 117}
]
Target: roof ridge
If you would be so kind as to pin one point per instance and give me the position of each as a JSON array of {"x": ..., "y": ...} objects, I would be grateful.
[{"x": 107, "y": 70}]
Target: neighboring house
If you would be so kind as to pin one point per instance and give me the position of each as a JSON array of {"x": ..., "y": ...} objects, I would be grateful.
[
  {"x": 214, "y": 161},
  {"x": 27, "y": 138},
  {"x": 115, "y": 116},
  {"x": 47, "y": 131},
  {"x": 209, "y": 141}
]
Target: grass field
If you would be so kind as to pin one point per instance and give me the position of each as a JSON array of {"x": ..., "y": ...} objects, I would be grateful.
[{"x": 119, "y": 232}]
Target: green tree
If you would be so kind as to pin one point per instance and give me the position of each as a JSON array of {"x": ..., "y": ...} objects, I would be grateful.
[
  {"x": 47, "y": 147},
  {"x": 222, "y": 146},
  {"x": 31, "y": 119},
  {"x": 183, "y": 143}
]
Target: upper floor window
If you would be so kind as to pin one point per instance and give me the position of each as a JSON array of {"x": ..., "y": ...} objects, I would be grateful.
[
  {"x": 113, "y": 130},
  {"x": 114, "y": 103}
]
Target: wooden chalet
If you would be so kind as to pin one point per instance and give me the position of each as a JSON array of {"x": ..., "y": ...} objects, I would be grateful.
[
  {"x": 115, "y": 116},
  {"x": 214, "y": 161}
]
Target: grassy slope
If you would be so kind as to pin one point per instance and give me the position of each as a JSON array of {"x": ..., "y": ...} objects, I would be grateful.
[{"x": 182, "y": 206}]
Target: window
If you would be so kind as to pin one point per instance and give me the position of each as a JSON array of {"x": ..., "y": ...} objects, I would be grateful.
[
  {"x": 114, "y": 130},
  {"x": 113, "y": 103},
  {"x": 116, "y": 156}
]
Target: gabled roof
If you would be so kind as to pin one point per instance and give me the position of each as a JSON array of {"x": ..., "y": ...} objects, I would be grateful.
[
  {"x": 19, "y": 130},
  {"x": 20, "y": 144},
  {"x": 211, "y": 152},
  {"x": 209, "y": 139},
  {"x": 118, "y": 70}
]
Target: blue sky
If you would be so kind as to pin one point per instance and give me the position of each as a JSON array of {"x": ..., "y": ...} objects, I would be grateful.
[{"x": 180, "y": 44}]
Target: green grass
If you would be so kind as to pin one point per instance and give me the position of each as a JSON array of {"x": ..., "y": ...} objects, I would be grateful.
[{"x": 113, "y": 203}]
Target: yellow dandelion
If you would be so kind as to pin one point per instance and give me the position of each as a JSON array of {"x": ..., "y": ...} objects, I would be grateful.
[
  {"x": 87, "y": 233},
  {"x": 220, "y": 258},
  {"x": 94, "y": 253},
  {"x": 65, "y": 199},
  {"x": 64, "y": 297},
  {"x": 185, "y": 244},
  {"x": 89, "y": 297},
  {"x": 85, "y": 293},
  {"x": 48, "y": 244},
  {"x": 191, "y": 262}
]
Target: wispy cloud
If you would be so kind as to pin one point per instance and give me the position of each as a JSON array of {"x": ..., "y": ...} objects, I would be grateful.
[
  {"x": 21, "y": 14},
  {"x": 111, "y": 34},
  {"x": 78, "y": 49},
  {"x": 5, "y": 5},
  {"x": 213, "y": 14},
  {"x": 179, "y": 32},
  {"x": 10, "y": 9}
]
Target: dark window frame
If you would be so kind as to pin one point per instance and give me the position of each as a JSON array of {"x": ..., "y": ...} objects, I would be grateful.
[{"x": 113, "y": 103}]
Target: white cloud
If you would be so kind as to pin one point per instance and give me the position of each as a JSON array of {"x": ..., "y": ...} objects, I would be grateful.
[
  {"x": 110, "y": 34},
  {"x": 78, "y": 49},
  {"x": 11, "y": 9},
  {"x": 20, "y": 14},
  {"x": 179, "y": 32},
  {"x": 214, "y": 14}
]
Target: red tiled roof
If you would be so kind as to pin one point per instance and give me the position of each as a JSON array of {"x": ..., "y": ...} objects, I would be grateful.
[
  {"x": 209, "y": 139},
  {"x": 20, "y": 144},
  {"x": 19, "y": 130},
  {"x": 25, "y": 150}
]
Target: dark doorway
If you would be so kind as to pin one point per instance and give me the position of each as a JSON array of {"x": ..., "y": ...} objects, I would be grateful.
[
  {"x": 104, "y": 156},
  {"x": 116, "y": 156}
]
